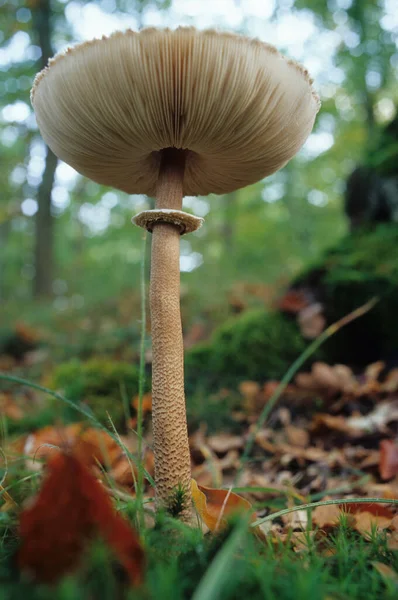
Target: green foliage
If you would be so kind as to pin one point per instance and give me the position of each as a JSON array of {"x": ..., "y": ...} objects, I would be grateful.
[
  {"x": 257, "y": 346},
  {"x": 213, "y": 409},
  {"x": 100, "y": 383},
  {"x": 180, "y": 561}
]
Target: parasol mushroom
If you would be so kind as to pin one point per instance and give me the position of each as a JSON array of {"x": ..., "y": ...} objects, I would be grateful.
[{"x": 173, "y": 113}]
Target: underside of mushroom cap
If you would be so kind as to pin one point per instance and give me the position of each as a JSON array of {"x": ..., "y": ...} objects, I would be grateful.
[{"x": 237, "y": 107}]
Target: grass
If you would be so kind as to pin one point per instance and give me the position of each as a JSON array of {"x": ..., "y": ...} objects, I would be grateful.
[{"x": 183, "y": 564}]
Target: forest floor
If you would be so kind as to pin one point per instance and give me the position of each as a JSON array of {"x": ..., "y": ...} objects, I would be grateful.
[{"x": 67, "y": 477}]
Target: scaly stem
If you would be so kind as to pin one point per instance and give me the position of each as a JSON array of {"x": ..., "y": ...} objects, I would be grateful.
[
  {"x": 170, "y": 433},
  {"x": 140, "y": 478}
]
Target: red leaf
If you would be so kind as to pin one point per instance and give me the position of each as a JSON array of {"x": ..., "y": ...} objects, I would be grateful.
[
  {"x": 71, "y": 508},
  {"x": 293, "y": 301},
  {"x": 388, "y": 466},
  {"x": 377, "y": 510}
]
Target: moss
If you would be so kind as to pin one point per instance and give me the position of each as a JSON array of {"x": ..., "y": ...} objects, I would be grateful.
[
  {"x": 100, "y": 383},
  {"x": 256, "y": 346},
  {"x": 260, "y": 345},
  {"x": 364, "y": 265}
]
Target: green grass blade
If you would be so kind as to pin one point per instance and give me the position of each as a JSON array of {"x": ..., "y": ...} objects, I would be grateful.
[
  {"x": 79, "y": 409},
  {"x": 213, "y": 581},
  {"x": 341, "y": 501},
  {"x": 290, "y": 373}
]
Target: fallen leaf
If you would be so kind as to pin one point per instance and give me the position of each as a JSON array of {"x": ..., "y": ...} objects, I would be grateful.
[
  {"x": 124, "y": 472},
  {"x": 146, "y": 403},
  {"x": 216, "y": 506},
  {"x": 384, "y": 413},
  {"x": 324, "y": 421},
  {"x": 377, "y": 510},
  {"x": 70, "y": 509},
  {"x": 388, "y": 466},
  {"x": 391, "y": 382},
  {"x": 365, "y": 522},
  {"x": 387, "y": 573},
  {"x": 373, "y": 371},
  {"x": 223, "y": 442},
  {"x": 89, "y": 444},
  {"x": 297, "y": 436},
  {"x": 326, "y": 516},
  {"x": 394, "y": 523},
  {"x": 250, "y": 391},
  {"x": 327, "y": 379},
  {"x": 392, "y": 541},
  {"x": 9, "y": 408},
  {"x": 293, "y": 301},
  {"x": 297, "y": 519},
  {"x": 368, "y": 516}
]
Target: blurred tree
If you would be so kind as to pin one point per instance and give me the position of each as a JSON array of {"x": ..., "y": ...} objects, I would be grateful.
[
  {"x": 44, "y": 236},
  {"x": 257, "y": 235}
]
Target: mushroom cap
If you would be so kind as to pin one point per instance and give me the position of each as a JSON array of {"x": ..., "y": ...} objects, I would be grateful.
[{"x": 239, "y": 108}]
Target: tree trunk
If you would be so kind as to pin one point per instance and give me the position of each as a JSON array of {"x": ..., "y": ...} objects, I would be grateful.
[{"x": 44, "y": 237}]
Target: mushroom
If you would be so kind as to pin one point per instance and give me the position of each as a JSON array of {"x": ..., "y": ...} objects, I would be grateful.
[{"x": 173, "y": 113}]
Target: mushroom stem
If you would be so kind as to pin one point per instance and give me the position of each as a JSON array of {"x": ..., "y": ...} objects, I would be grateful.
[{"x": 170, "y": 433}]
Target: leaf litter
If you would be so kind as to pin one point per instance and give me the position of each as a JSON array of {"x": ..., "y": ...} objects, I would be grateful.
[{"x": 334, "y": 433}]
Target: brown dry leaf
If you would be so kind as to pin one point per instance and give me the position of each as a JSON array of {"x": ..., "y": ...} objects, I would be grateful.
[
  {"x": 300, "y": 540},
  {"x": 327, "y": 379},
  {"x": 391, "y": 383},
  {"x": 223, "y": 442},
  {"x": 297, "y": 519},
  {"x": 348, "y": 381},
  {"x": 384, "y": 413},
  {"x": 383, "y": 490},
  {"x": 373, "y": 371},
  {"x": 124, "y": 471},
  {"x": 394, "y": 523},
  {"x": 311, "y": 454},
  {"x": 272, "y": 385},
  {"x": 363, "y": 516},
  {"x": 386, "y": 572},
  {"x": 297, "y": 436},
  {"x": 369, "y": 516},
  {"x": 365, "y": 522},
  {"x": 377, "y": 510},
  {"x": 9, "y": 408},
  {"x": 215, "y": 506},
  {"x": 306, "y": 381},
  {"x": 392, "y": 541},
  {"x": 388, "y": 466},
  {"x": 89, "y": 444},
  {"x": 250, "y": 391},
  {"x": 371, "y": 459},
  {"x": 335, "y": 423},
  {"x": 326, "y": 376},
  {"x": 210, "y": 473},
  {"x": 146, "y": 403},
  {"x": 326, "y": 516}
]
